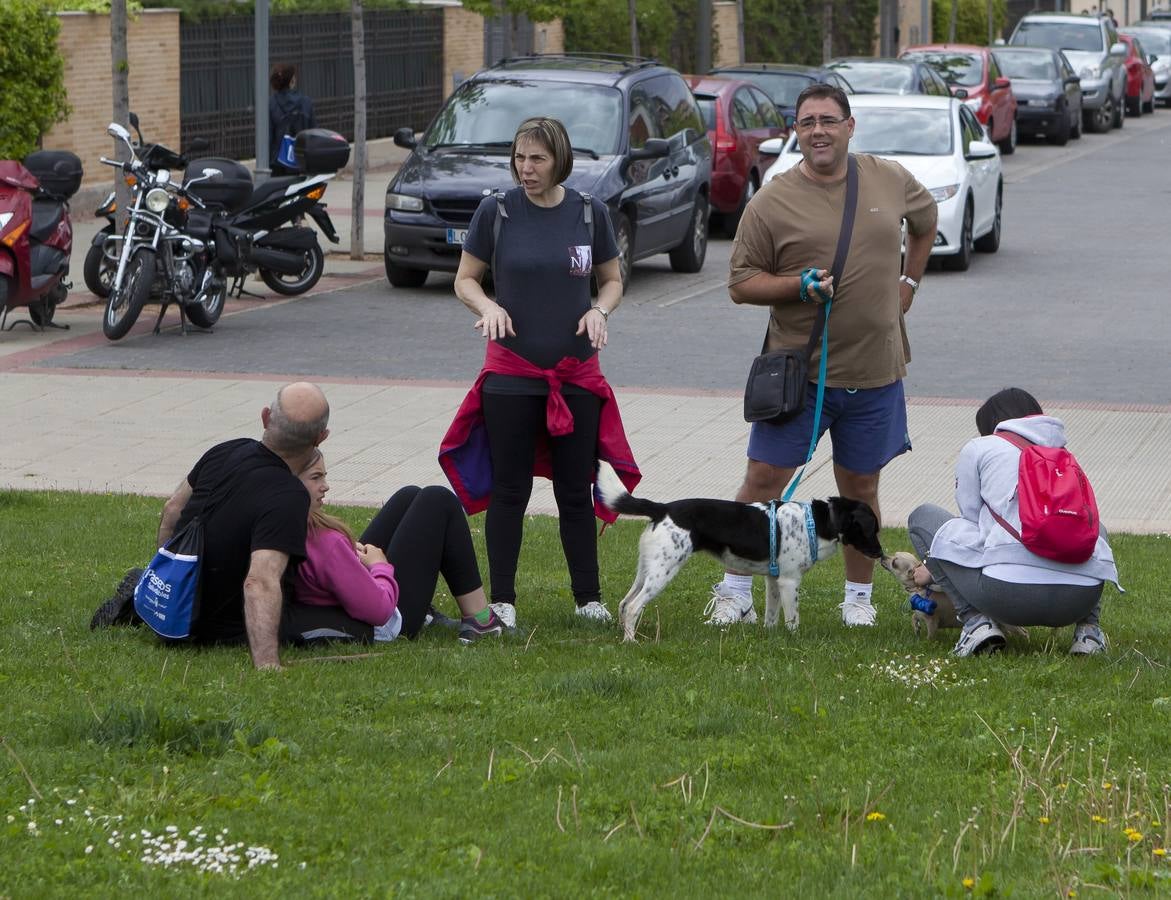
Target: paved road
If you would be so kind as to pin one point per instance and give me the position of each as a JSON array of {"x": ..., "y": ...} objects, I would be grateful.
[{"x": 1073, "y": 305}]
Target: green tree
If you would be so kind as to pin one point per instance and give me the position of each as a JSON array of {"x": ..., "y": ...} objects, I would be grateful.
[
  {"x": 971, "y": 20},
  {"x": 32, "y": 73}
]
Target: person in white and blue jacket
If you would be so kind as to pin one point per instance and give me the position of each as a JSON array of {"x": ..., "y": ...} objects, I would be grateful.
[{"x": 991, "y": 576}]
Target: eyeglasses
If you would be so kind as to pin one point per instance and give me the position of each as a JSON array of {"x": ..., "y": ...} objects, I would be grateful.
[{"x": 824, "y": 121}]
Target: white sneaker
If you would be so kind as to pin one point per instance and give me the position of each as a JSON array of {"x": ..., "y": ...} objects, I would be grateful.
[
  {"x": 595, "y": 611},
  {"x": 723, "y": 609},
  {"x": 979, "y": 635},
  {"x": 506, "y": 612},
  {"x": 856, "y": 611}
]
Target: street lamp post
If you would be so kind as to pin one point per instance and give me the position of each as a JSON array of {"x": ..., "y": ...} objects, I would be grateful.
[{"x": 260, "y": 26}]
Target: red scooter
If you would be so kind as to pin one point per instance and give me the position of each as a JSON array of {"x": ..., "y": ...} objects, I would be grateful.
[{"x": 36, "y": 235}]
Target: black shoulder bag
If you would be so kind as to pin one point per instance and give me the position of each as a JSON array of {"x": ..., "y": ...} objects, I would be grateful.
[{"x": 775, "y": 392}]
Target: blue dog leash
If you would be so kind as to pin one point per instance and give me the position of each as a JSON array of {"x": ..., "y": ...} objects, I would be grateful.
[{"x": 817, "y": 407}]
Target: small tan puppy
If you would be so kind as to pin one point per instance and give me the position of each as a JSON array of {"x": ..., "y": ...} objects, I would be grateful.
[{"x": 902, "y": 566}]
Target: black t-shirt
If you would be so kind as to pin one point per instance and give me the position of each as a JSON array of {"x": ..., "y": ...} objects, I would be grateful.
[
  {"x": 545, "y": 260},
  {"x": 266, "y": 509}
]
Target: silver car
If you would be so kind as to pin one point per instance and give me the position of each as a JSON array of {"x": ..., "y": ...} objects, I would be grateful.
[{"x": 1091, "y": 45}]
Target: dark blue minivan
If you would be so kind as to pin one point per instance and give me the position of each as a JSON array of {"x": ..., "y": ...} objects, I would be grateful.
[{"x": 639, "y": 146}]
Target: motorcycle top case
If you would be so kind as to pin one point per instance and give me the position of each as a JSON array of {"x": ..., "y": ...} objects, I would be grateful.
[
  {"x": 230, "y": 190},
  {"x": 58, "y": 171},
  {"x": 319, "y": 150}
]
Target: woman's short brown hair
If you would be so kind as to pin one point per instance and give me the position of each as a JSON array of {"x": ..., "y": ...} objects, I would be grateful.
[{"x": 551, "y": 135}]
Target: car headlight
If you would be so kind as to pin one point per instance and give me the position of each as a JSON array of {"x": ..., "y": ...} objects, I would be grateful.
[
  {"x": 944, "y": 193},
  {"x": 404, "y": 202},
  {"x": 157, "y": 200},
  {"x": 1091, "y": 71}
]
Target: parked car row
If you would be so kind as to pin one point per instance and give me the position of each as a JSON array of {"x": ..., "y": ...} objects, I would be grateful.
[{"x": 668, "y": 153}]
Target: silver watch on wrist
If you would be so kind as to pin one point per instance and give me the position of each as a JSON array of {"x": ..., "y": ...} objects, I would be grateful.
[{"x": 907, "y": 279}]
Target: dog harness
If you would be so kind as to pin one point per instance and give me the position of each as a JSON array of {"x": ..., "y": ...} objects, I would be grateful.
[{"x": 811, "y": 531}]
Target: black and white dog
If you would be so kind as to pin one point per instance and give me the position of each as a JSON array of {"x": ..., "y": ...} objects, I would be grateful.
[{"x": 737, "y": 534}]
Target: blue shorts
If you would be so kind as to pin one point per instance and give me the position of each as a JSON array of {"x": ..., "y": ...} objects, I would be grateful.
[{"x": 868, "y": 428}]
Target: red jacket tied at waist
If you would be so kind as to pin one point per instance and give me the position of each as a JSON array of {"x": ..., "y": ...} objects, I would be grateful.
[{"x": 463, "y": 453}]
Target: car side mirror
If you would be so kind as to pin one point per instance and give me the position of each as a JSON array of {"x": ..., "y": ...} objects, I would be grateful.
[
  {"x": 790, "y": 120},
  {"x": 1001, "y": 83},
  {"x": 655, "y": 148},
  {"x": 1073, "y": 79},
  {"x": 1118, "y": 49},
  {"x": 980, "y": 150},
  {"x": 772, "y": 146},
  {"x": 1151, "y": 58},
  {"x": 405, "y": 137},
  {"x": 960, "y": 94}
]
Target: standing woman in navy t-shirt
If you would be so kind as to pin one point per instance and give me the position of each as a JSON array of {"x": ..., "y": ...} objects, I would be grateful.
[{"x": 543, "y": 331}]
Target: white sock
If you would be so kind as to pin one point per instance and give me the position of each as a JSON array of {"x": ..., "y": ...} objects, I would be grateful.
[
  {"x": 737, "y": 585},
  {"x": 858, "y": 592}
]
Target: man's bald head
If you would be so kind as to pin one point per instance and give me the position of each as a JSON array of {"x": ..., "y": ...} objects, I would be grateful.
[{"x": 298, "y": 419}]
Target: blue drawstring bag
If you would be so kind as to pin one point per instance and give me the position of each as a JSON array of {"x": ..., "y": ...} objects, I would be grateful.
[
  {"x": 285, "y": 155},
  {"x": 167, "y": 596}
]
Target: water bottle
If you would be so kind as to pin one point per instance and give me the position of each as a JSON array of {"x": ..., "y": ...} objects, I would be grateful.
[{"x": 922, "y": 604}]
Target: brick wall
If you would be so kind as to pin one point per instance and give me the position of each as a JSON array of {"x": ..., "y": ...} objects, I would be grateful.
[
  {"x": 153, "y": 41},
  {"x": 725, "y": 37},
  {"x": 463, "y": 46}
]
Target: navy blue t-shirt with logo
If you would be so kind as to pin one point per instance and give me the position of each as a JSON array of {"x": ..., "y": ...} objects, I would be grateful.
[{"x": 545, "y": 260}]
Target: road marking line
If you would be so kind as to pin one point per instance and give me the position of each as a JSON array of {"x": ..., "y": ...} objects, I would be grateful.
[{"x": 696, "y": 293}]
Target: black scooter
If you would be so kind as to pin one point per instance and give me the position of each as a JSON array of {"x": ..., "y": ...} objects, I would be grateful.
[{"x": 249, "y": 226}]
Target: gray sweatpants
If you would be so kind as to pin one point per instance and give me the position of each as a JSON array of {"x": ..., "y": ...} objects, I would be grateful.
[{"x": 974, "y": 592}]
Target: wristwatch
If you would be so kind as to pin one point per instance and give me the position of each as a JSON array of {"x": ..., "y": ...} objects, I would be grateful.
[
  {"x": 912, "y": 282},
  {"x": 605, "y": 315}
]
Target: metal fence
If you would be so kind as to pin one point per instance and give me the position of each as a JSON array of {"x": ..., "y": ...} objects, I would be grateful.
[{"x": 404, "y": 73}]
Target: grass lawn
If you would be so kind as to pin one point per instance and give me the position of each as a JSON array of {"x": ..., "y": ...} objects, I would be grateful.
[{"x": 559, "y": 762}]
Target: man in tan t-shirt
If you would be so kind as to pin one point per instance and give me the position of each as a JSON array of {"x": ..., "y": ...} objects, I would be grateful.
[{"x": 792, "y": 225}]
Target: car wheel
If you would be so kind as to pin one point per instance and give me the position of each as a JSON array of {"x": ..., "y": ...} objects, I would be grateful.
[
  {"x": 689, "y": 256},
  {"x": 1150, "y": 106},
  {"x": 1061, "y": 136},
  {"x": 1008, "y": 145},
  {"x": 1075, "y": 126},
  {"x": 961, "y": 261},
  {"x": 1134, "y": 106},
  {"x": 1098, "y": 121},
  {"x": 990, "y": 242},
  {"x": 402, "y": 277},
  {"x": 624, "y": 239},
  {"x": 731, "y": 221},
  {"x": 1119, "y": 111}
]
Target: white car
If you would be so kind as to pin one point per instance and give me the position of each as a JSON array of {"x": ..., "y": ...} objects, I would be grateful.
[{"x": 941, "y": 143}]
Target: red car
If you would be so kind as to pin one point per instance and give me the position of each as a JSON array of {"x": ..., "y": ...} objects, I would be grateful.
[
  {"x": 974, "y": 76},
  {"x": 738, "y": 116},
  {"x": 1140, "y": 80}
]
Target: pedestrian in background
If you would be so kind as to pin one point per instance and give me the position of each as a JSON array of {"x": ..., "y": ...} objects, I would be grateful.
[{"x": 289, "y": 112}]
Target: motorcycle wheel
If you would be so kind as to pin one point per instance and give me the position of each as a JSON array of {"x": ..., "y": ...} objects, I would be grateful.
[
  {"x": 125, "y": 303},
  {"x": 98, "y": 271},
  {"x": 291, "y": 285},
  {"x": 207, "y": 313}
]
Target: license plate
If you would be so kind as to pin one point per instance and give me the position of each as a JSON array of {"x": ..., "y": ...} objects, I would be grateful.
[{"x": 457, "y": 235}]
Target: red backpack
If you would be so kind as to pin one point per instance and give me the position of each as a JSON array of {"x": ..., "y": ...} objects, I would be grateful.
[{"x": 1059, "y": 516}]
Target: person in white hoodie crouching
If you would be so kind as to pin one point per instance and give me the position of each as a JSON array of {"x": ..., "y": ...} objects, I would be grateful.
[{"x": 990, "y": 575}]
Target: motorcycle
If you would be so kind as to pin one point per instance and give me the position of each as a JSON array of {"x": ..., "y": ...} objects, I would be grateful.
[
  {"x": 156, "y": 260},
  {"x": 98, "y": 270},
  {"x": 36, "y": 234},
  {"x": 249, "y": 225}
]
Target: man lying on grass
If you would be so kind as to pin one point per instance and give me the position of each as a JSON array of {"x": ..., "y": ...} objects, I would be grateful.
[{"x": 254, "y": 529}]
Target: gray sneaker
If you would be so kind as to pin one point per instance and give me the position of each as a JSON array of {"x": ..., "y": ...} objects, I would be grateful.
[
  {"x": 979, "y": 635},
  {"x": 506, "y": 613},
  {"x": 724, "y": 609},
  {"x": 1088, "y": 640}
]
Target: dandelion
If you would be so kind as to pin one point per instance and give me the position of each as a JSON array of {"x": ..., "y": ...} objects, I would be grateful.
[
  {"x": 1160, "y": 852},
  {"x": 1134, "y": 836},
  {"x": 1098, "y": 819},
  {"x": 875, "y": 816},
  {"x": 1106, "y": 785},
  {"x": 969, "y": 883},
  {"x": 1044, "y": 820}
]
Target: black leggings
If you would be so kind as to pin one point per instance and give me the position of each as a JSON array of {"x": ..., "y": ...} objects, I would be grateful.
[
  {"x": 514, "y": 422},
  {"x": 424, "y": 533}
]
